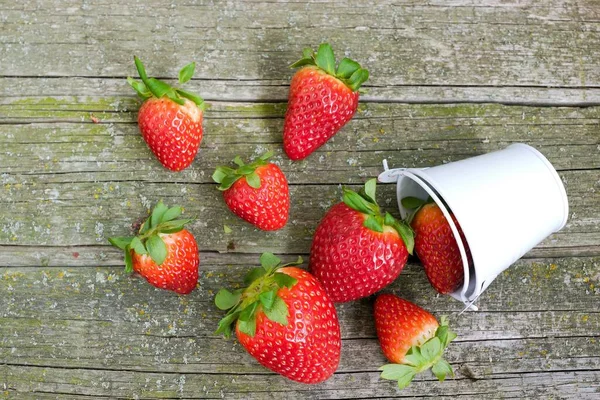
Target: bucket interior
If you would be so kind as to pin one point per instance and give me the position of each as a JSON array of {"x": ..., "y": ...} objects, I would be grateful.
[{"x": 411, "y": 185}]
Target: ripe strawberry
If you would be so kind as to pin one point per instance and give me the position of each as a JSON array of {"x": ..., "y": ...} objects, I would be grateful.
[
  {"x": 436, "y": 246},
  {"x": 285, "y": 320},
  {"x": 170, "y": 119},
  {"x": 164, "y": 253},
  {"x": 412, "y": 339},
  {"x": 321, "y": 100},
  {"x": 256, "y": 192},
  {"x": 356, "y": 251}
]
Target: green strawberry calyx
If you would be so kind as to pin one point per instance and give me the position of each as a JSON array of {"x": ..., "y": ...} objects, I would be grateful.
[
  {"x": 261, "y": 294},
  {"x": 415, "y": 204},
  {"x": 163, "y": 220},
  {"x": 226, "y": 176},
  {"x": 153, "y": 87},
  {"x": 364, "y": 202},
  {"x": 423, "y": 357},
  {"x": 348, "y": 71}
]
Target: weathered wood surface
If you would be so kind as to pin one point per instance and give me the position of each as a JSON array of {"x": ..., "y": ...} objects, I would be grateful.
[{"x": 449, "y": 80}]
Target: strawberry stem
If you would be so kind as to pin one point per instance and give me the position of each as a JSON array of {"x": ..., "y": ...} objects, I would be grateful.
[
  {"x": 261, "y": 294},
  {"x": 155, "y": 87},
  {"x": 163, "y": 220},
  {"x": 423, "y": 357},
  {"x": 365, "y": 202},
  {"x": 348, "y": 71},
  {"x": 226, "y": 176}
]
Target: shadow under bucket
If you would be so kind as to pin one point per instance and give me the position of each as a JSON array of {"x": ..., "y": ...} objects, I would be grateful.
[{"x": 481, "y": 192}]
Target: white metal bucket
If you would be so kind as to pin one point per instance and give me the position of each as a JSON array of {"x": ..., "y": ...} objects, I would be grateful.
[{"x": 480, "y": 192}]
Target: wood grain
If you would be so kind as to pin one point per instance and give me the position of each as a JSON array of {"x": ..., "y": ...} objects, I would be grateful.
[
  {"x": 537, "y": 319},
  {"x": 450, "y": 79}
]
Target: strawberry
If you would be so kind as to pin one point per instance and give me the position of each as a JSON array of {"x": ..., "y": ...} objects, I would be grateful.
[
  {"x": 322, "y": 99},
  {"x": 436, "y": 246},
  {"x": 164, "y": 253},
  {"x": 256, "y": 192},
  {"x": 412, "y": 339},
  {"x": 170, "y": 119},
  {"x": 285, "y": 320},
  {"x": 356, "y": 251}
]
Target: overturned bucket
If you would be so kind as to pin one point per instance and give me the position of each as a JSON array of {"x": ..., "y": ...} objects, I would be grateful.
[{"x": 480, "y": 192}]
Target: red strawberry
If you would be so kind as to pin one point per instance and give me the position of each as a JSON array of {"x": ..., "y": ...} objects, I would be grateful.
[
  {"x": 321, "y": 100},
  {"x": 436, "y": 246},
  {"x": 170, "y": 119},
  {"x": 411, "y": 338},
  {"x": 285, "y": 320},
  {"x": 256, "y": 192},
  {"x": 356, "y": 251},
  {"x": 164, "y": 253}
]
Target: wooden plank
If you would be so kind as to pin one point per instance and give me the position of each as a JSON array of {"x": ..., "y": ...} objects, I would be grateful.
[
  {"x": 563, "y": 385},
  {"x": 408, "y": 135},
  {"x": 557, "y": 285},
  {"x": 538, "y": 320},
  {"x": 408, "y": 43},
  {"x": 274, "y": 90},
  {"x": 83, "y": 214}
]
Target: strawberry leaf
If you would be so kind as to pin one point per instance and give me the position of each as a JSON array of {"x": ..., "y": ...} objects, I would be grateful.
[
  {"x": 358, "y": 203},
  {"x": 359, "y": 77},
  {"x": 369, "y": 190},
  {"x": 140, "y": 67},
  {"x": 157, "y": 87},
  {"x": 121, "y": 241},
  {"x": 228, "y": 181},
  {"x": 171, "y": 214},
  {"x": 157, "y": 249},
  {"x": 221, "y": 172},
  {"x": 159, "y": 210},
  {"x": 441, "y": 369},
  {"x": 412, "y": 202},
  {"x": 128, "y": 261},
  {"x": 307, "y": 52},
  {"x": 267, "y": 299},
  {"x": 294, "y": 263},
  {"x": 145, "y": 227},
  {"x": 444, "y": 333},
  {"x": 253, "y": 180},
  {"x": 308, "y": 58},
  {"x": 302, "y": 62},
  {"x": 431, "y": 349},
  {"x": 224, "y": 300},
  {"x": 172, "y": 95},
  {"x": 284, "y": 280},
  {"x": 254, "y": 274},
  {"x": 346, "y": 68},
  {"x": 245, "y": 169},
  {"x": 266, "y": 156},
  {"x": 199, "y": 101},
  {"x": 269, "y": 261},
  {"x": 173, "y": 226},
  {"x": 373, "y": 224},
  {"x": 187, "y": 72},
  {"x": 278, "y": 312},
  {"x": 249, "y": 311},
  {"x": 140, "y": 88},
  {"x": 413, "y": 357},
  {"x": 248, "y": 327},
  {"x": 238, "y": 161},
  {"x": 405, "y": 231},
  {"x": 137, "y": 246},
  {"x": 325, "y": 58},
  {"x": 401, "y": 373},
  {"x": 225, "y": 323}
]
